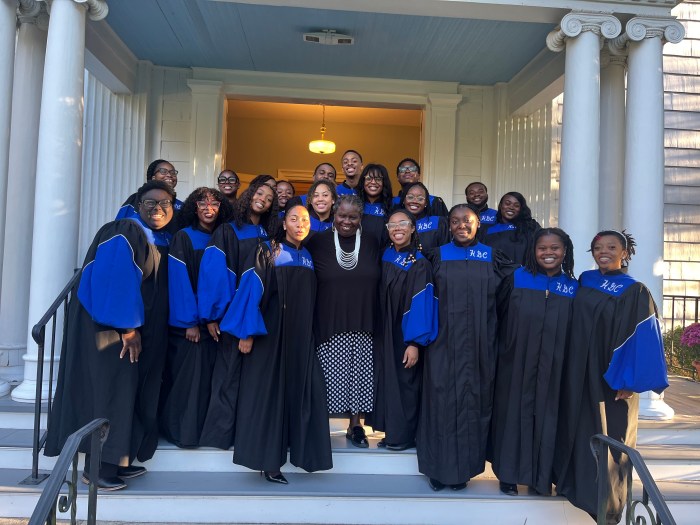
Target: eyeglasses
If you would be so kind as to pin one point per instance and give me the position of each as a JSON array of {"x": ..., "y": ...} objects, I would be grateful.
[
  {"x": 150, "y": 204},
  {"x": 415, "y": 198},
  {"x": 230, "y": 180},
  {"x": 203, "y": 205},
  {"x": 166, "y": 172},
  {"x": 376, "y": 178},
  {"x": 408, "y": 169},
  {"x": 401, "y": 224}
]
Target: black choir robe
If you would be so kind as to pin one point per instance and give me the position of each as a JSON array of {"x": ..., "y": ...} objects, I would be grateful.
[
  {"x": 282, "y": 397},
  {"x": 409, "y": 316},
  {"x": 188, "y": 368},
  {"x": 616, "y": 344},
  {"x": 222, "y": 263},
  {"x": 509, "y": 239},
  {"x": 374, "y": 218},
  {"x": 123, "y": 287},
  {"x": 459, "y": 366},
  {"x": 433, "y": 231},
  {"x": 532, "y": 340}
]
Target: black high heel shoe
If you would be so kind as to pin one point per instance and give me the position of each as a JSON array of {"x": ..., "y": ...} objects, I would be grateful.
[{"x": 275, "y": 478}]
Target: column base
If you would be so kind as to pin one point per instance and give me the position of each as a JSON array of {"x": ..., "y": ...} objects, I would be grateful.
[
  {"x": 26, "y": 390},
  {"x": 653, "y": 406},
  {"x": 4, "y": 388}
]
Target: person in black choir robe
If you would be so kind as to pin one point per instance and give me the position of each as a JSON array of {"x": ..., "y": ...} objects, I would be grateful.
[
  {"x": 191, "y": 350},
  {"x": 432, "y": 229},
  {"x": 409, "y": 319},
  {"x": 255, "y": 217},
  {"x": 375, "y": 192},
  {"x": 347, "y": 267},
  {"x": 351, "y": 163},
  {"x": 459, "y": 366},
  {"x": 513, "y": 229},
  {"x": 320, "y": 200},
  {"x": 120, "y": 309},
  {"x": 161, "y": 170},
  {"x": 408, "y": 172},
  {"x": 532, "y": 338},
  {"x": 282, "y": 397},
  {"x": 615, "y": 350},
  {"x": 477, "y": 195}
]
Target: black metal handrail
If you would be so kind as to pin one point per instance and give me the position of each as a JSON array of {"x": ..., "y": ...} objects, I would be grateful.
[
  {"x": 45, "y": 510},
  {"x": 39, "y": 336},
  {"x": 600, "y": 444},
  {"x": 684, "y": 310}
]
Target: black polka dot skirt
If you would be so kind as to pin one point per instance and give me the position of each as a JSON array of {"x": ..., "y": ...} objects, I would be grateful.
[{"x": 346, "y": 359}]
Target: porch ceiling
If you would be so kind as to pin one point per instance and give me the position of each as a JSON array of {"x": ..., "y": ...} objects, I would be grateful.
[{"x": 230, "y": 35}]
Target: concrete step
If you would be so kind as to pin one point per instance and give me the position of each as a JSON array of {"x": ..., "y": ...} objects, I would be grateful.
[{"x": 310, "y": 498}]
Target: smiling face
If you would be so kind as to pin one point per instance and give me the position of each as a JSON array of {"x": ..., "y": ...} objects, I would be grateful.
[
  {"x": 166, "y": 172},
  {"x": 464, "y": 224},
  {"x": 228, "y": 183},
  {"x": 549, "y": 253},
  {"x": 352, "y": 167},
  {"x": 296, "y": 224},
  {"x": 373, "y": 185},
  {"x": 416, "y": 200},
  {"x": 608, "y": 253},
  {"x": 407, "y": 173},
  {"x": 152, "y": 211},
  {"x": 400, "y": 229},
  {"x": 262, "y": 200},
  {"x": 347, "y": 220},
  {"x": 509, "y": 208},
  {"x": 208, "y": 211},
  {"x": 476, "y": 194},
  {"x": 322, "y": 201},
  {"x": 284, "y": 193},
  {"x": 324, "y": 172}
]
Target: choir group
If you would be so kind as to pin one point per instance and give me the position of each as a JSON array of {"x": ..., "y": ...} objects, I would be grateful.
[{"x": 244, "y": 320}]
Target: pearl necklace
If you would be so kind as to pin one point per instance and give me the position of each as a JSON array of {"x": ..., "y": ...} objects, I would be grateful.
[{"x": 347, "y": 260}]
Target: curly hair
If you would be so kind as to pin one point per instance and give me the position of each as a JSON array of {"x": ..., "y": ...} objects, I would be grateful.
[
  {"x": 627, "y": 241},
  {"x": 414, "y": 244},
  {"x": 151, "y": 170},
  {"x": 524, "y": 222},
  {"x": 241, "y": 210},
  {"x": 567, "y": 265},
  {"x": 155, "y": 185},
  {"x": 187, "y": 216},
  {"x": 323, "y": 182},
  {"x": 387, "y": 194}
]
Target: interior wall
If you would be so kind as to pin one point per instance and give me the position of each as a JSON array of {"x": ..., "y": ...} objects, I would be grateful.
[{"x": 263, "y": 145}]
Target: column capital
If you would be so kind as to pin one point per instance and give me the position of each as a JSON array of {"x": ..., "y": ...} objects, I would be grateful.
[
  {"x": 610, "y": 57},
  {"x": 577, "y": 22},
  {"x": 96, "y": 9},
  {"x": 33, "y": 12},
  {"x": 668, "y": 29},
  {"x": 444, "y": 100}
]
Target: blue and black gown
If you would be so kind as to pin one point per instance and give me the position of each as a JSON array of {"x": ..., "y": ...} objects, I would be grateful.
[
  {"x": 123, "y": 287},
  {"x": 374, "y": 218},
  {"x": 460, "y": 365},
  {"x": 409, "y": 317},
  {"x": 615, "y": 344},
  {"x": 532, "y": 342},
  {"x": 433, "y": 231},
  {"x": 282, "y": 398},
  {"x": 317, "y": 225},
  {"x": 129, "y": 210},
  {"x": 487, "y": 218},
  {"x": 436, "y": 206},
  {"x": 344, "y": 189},
  {"x": 222, "y": 264},
  {"x": 510, "y": 239},
  {"x": 188, "y": 368}
]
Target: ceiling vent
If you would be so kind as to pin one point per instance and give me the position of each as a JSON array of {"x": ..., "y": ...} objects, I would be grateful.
[{"x": 329, "y": 37}]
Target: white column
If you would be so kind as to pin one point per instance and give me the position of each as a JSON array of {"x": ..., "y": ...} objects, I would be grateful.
[
  {"x": 207, "y": 130},
  {"x": 580, "y": 34},
  {"x": 643, "y": 196},
  {"x": 26, "y": 103},
  {"x": 57, "y": 198},
  {"x": 612, "y": 139},
  {"x": 440, "y": 137}
]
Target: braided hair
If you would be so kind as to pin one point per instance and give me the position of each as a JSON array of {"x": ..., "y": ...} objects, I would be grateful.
[
  {"x": 524, "y": 222},
  {"x": 187, "y": 216},
  {"x": 414, "y": 245},
  {"x": 567, "y": 265},
  {"x": 241, "y": 210},
  {"x": 627, "y": 241},
  {"x": 351, "y": 199}
]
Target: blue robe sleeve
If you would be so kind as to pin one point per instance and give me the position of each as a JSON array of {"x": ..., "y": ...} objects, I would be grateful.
[
  {"x": 420, "y": 322},
  {"x": 110, "y": 286},
  {"x": 128, "y": 209},
  {"x": 216, "y": 284},
  {"x": 639, "y": 363},
  {"x": 181, "y": 296},
  {"x": 244, "y": 317}
]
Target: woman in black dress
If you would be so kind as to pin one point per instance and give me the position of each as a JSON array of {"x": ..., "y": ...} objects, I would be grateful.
[
  {"x": 409, "y": 320},
  {"x": 282, "y": 397},
  {"x": 347, "y": 268},
  {"x": 375, "y": 192},
  {"x": 513, "y": 229},
  {"x": 616, "y": 349},
  {"x": 432, "y": 229}
]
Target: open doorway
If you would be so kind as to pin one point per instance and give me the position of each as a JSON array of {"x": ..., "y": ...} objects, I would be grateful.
[{"x": 273, "y": 138}]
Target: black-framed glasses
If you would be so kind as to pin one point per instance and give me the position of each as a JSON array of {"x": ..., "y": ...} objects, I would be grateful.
[
  {"x": 415, "y": 198},
  {"x": 401, "y": 224},
  {"x": 229, "y": 180},
  {"x": 408, "y": 169},
  {"x": 150, "y": 204},
  {"x": 165, "y": 172},
  {"x": 203, "y": 205},
  {"x": 376, "y": 178}
]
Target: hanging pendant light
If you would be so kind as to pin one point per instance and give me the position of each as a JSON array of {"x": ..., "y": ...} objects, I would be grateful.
[{"x": 322, "y": 146}]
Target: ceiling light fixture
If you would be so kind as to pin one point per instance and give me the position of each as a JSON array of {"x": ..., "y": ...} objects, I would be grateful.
[
  {"x": 322, "y": 146},
  {"x": 328, "y": 37}
]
